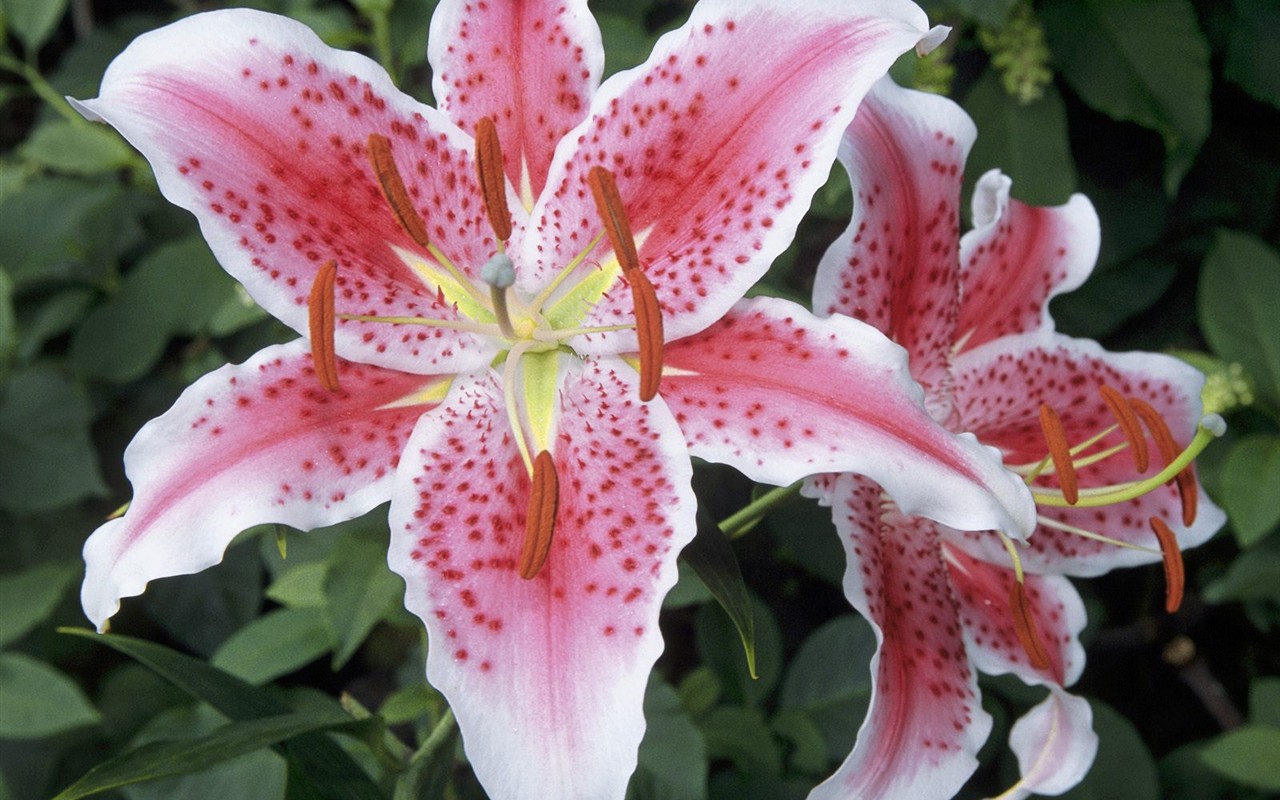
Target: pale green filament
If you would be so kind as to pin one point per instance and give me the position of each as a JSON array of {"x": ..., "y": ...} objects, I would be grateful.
[
  {"x": 1050, "y": 522},
  {"x": 545, "y": 294}
]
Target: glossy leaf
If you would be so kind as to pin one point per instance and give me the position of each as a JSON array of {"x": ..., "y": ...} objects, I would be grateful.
[
  {"x": 673, "y": 757},
  {"x": 77, "y": 149},
  {"x": 29, "y": 596},
  {"x": 711, "y": 556},
  {"x": 1251, "y": 487},
  {"x": 1239, "y": 305},
  {"x": 275, "y": 644},
  {"x": 1247, "y": 755},
  {"x": 37, "y": 700},
  {"x": 829, "y": 680},
  {"x": 359, "y": 590}
]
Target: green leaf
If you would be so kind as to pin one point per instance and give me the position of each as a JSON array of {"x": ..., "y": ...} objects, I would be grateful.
[
  {"x": 829, "y": 680},
  {"x": 49, "y": 460},
  {"x": 1254, "y": 50},
  {"x": 699, "y": 690},
  {"x": 1264, "y": 702},
  {"x": 720, "y": 643},
  {"x": 1251, "y": 486},
  {"x": 1184, "y": 777},
  {"x": 359, "y": 589},
  {"x": 741, "y": 735},
  {"x": 329, "y": 771},
  {"x": 711, "y": 556},
  {"x": 81, "y": 149},
  {"x": 37, "y": 700},
  {"x": 301, "y": 586},
  {"x": 1253, "y": 577},
  {"x": 1142, "y": 61},
  {"x": 991, "y": 13},
  {"x": 176, "y": 289},
  {"x": 1111, "y": 296},
  {"x": 1028, "y": 142},
  {"x": 673, "y": 757},
  {"x": 1247, "y": 755},
  {"x": 1240, "y": 305},
  {"x": 8, "y": 324},
  {"x": 275, "y": 644},
  {"x": 808, "y": 745},
  {"x": 1124, "y": 768},
  {"x": 47, "y": 230},
  {"x": 626, "y": 42},
  {"x": 161, "y": 759},
  {"x": 29, "y": 597},
  {"x": 33, "y": 21},
  {"x": 427, "y": 777},
  {"x": 409, "y": 703}
]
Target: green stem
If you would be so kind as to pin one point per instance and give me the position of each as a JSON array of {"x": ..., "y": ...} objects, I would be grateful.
[
  {"x": 382, "y": 43},
  {"x": 42, "y": 88},
  {"x": 439, "y": 735},
  {"x": 740, "y": 522}
]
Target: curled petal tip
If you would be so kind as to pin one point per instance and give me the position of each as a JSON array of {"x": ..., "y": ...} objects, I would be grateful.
[{"x": 929, "y": 42}]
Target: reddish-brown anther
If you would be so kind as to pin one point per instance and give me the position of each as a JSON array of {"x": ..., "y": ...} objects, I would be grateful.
[
  {"x": 384, "y": 166},
  {"x": 609, "y": 203},
  {"x": 1024, "y": 625},
  {"x": 1060, "y": 451},
  {"x": 1185, "y": 480},
  {"x": 320, "y": 325},
  {"x": 540, "y": 523},
  {"x": 648, "y": 332},
  {"x": 1175, "y": 574},
  {"x": 1129, "y": 425},
  {"x": 493, "y": 181}
]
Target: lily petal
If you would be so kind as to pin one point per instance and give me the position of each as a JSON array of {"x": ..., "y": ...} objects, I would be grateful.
[
  {"x": 717, "y": 143},
  {"x": 982, "y": 593},
  {"x": 249, "y": 444},
  {"x": 896, "y": 266},
  {"x": 1018, "y": 257},
  {"x": 546, "y": 675},
  {"x": 530, "y": 65},
  {"x": 1055, "y": 746},
  {"x": 999, "y": 389},
  {"x": 780, "y": 395},
  {"x": 259, "y": 129},
  {"x": 925, "y": 724}
]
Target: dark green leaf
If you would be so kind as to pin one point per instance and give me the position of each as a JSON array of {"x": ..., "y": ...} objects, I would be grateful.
[
  {"x": 1254, "y": 577},
  {"x": 720, "y": 644},
  {"x": 1248, "y": 755},
  {"x": 1142, "y": 61},
  {"x": 8, "y": 324},
  {"x": 1184, "y": 776},
  {"x": 359, "y": 589},
  {"x": 327, "y": 768},
  {"x": 808, "y": 745},
  {"x": 33, "y": 21},
  {"x": 829, "y": 680},
  {"x": 300, "y": 586},
  {"x": 1254, "y": 51},
  {"x": 673, "y": 758},
  {"x": 37, "y": 700},
  {"x": 1028, "y": 142},
  {"x": 1251, "y": 486},
  {"x": 1111, "y": 296},
  {"x": 626, "y": 42},
  {"x": 30, "y": 596},
  {"x": 46, "y": 231},
  {"x": 275, "y": 644},
  {"x": 1239, "y": 306},
  {"x": 427, "y": 777},
  {"x": 1123, "y": 769},
  {"x": 161, "y": 759},
  {"x": 742, "y": 736},
  {"x": 49, "y": 460},
  {"x": 82, "y": 149},
  {"x": 1264, "y": 702},
  {"x": 711, "y": 556}
]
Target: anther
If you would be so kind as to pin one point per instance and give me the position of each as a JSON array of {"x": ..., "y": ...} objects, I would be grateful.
[
  {"x": 320, "y": 326},
  {"x": 609, "y": 203},
  {"x": 1060, "y": 451},
  {"x": 1129, "y": 424},
  {"x": 1175, "y": 575},
  {"x": 540, "y": 523},
  {"x": 1024, "y": 625},
  {"x": 648, "y": 333},
  {"x": 1186, "y": 479},
  {"x": 493, "y": 180},
  {"x": 384, "y": 166}
]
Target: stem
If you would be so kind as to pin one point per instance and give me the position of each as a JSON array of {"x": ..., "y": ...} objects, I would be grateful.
[
  {"x": 439, "y": 734},
  {"x": 739, "y": 522},
  {"x": 42, "y": 88}
]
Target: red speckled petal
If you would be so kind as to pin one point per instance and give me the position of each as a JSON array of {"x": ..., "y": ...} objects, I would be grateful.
[
  {"x": 1055, "y": 746},
  {"x": 260, "y": 130},
  {"x": 897, "y": 266},
  {"x": 718, "y": 142},
  {"x": 531, "y": 65},
  {"x": 926, "y": 723},
  {"x": 547, "y": 675},
  {"x": 1017, "y": 257},
  {"x": 246, "y": 445},
  {"x": 780, "y": 395},
  {"x": 981, "y": 590},
  {"x": 999, "y": 389}
]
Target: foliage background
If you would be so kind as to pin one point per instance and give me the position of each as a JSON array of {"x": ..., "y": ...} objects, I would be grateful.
[{"x": 1165, "y": 112}]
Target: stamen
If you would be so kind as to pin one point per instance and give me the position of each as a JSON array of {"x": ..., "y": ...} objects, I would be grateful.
[
  {"x": 384, "y": 166},
  {"x": 482, "y": 328},
  {"x": 1024, "y": 624},
  {"x": 1175, "y": 574},
  {"x": 1060, "y": 450},
  {"x": 320, "y": 326},
  {"x": 1128, "y": 423},
  {"x": 493, "y": 180},
  {"x": 540, "y": 523},
  {"x": 1186, "y": 479},
  {"x": 509, "y": 378},
  {"x": 648, "y": 332},
  {"x": 1057, "y": 524},
  {"x": 609, "y": 204}
]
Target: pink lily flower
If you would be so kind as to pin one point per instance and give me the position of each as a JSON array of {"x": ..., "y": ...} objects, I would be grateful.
[
  {"x": 488, "y": 346},
  {"x": 972, "y": 312}
]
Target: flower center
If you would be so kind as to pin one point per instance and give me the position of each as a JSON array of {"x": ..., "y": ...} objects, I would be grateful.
[
  {"x": 534, "y": 335},
  {"x": 1136, "y": 420}
]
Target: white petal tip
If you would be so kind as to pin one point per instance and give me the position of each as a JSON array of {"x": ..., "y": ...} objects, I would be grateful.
[
  {"x": 936, "y": 35},
  {"x": 990, "y": 197},
  {"x": 84, "y": 110},
  {"x": 1214, "y": 423}
]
